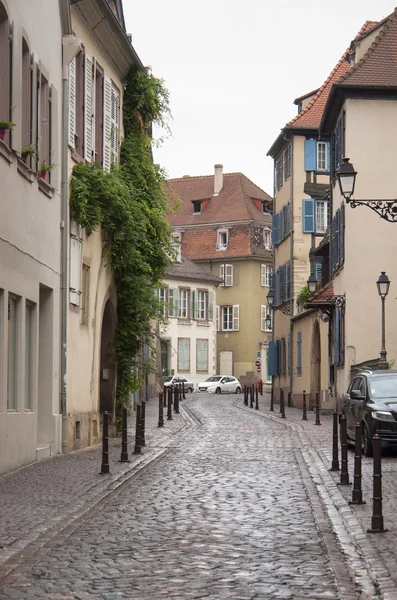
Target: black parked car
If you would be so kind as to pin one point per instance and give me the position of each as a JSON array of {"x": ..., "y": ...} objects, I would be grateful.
[{"x": 371, "y": 400}]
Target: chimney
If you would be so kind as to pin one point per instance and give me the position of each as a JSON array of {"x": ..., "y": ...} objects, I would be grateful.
[{"x": 218, "y": 179}]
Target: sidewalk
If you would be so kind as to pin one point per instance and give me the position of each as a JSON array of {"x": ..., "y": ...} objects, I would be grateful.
[{"x": 40, "y": 500}]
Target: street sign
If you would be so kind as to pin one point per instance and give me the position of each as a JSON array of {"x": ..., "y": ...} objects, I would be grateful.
[{"x": 258, "y": 363}]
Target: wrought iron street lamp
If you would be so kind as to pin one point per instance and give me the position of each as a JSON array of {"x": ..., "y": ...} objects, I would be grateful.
[
  {"x": 268, "y": 322},
  {"x": 383, "y": 285},
  {"x": 346, "y": 175},
  {"x": 312, "y": 283},
  {"x": 270, "y": 298}
]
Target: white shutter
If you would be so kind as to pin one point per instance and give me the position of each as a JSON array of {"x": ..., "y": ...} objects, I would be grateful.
[
  {"x": 34, "y": 140},
  {"x": 54, "y": 157},
  {"x": 115, "y": 127},
  {"x": 217, "y": 317},
  {"x": 263, "y": 275},
  {"x": 72, "y": 103},
  {"x": 107, "y": 124},
  {"x": 93, "y": 106},
  {"x": 75, "y": 263},
  {"x": 202, "y": 355},
  {"x": 88, "y": 109},
  {"x": 263, "y": 316},
  {"x": 183, "y": 354},
  {"x": 229, "y": 275},
  {"x": 16, "y": 90},
  {"x": 222, "y": 274},
  {"x": 236, "y": 317}
]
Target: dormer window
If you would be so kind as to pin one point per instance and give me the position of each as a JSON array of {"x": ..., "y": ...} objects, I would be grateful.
[
  {"x": 222, "y": 238},
  {"x": 177, "y": 244},
  {"x": 196, "y": 207},
  {"x": 267, "y": 238},
  {"x": 265, "y": 207}
]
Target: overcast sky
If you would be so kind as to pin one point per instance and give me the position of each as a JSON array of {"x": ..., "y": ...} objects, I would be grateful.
[{"x": 234, "y": 68}]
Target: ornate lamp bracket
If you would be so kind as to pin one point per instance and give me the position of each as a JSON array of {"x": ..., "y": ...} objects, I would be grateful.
[
  {"x": 386, "y": 209},
  {"x": 285, "y": 309},
  {"x": 339, "y": 301}
]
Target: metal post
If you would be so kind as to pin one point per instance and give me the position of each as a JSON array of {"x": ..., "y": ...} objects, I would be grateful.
[
  {"x": 256, "y": 398},
  {"x": 317, "y": 422},
  {"x": 165, "y": 397},
  {"x": 105, "y": 444},
  {"x": 344, "y": 474},
  {"x": 137, "y": 448},
  {"x": 335, "y": 451},
  {"x": 357, "y": 495},
  {"x": 177, "y": 396},
  {"x": 272, "y": 397},
  {"x": 169, "y": 405},
  {"x": 143, "y": 411},
  {"x": 183, "y": 391},
  {"x": 282, "y": 404},
  {"x": 251, "y": 396},
  {"x": 245, "y": 395},
  {"x": 377, "y": 516},
  {"x": 383, "y": 364},
  {"x": 304, "y": 406},
  {"x": 161, "y": 410},
  {"x": 124, "y": 438}
]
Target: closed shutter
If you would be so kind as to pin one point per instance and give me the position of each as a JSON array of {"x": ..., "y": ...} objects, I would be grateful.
[
  {"x": 115, "y": 127},
  {"x": 288, "y": 282},
  {"x": 336, "y": 226},
  {"x": 299, "y": 353},
  {"x": 276, "y": 230},
  {"x": 88, "y": 120},
  {"x": 107, "y": 124},
  {"x": 337, "y": 336},
  {"x": 263, "y": 275},
  {"x": 282, "y": 283},
  {"x": 263, "y": 317},
  {"x": 310, "y": 155},
  {"x": 285, "y": 219},
  {"x": 217, "y": 317},
  {"x": 16, "y": 87},
  {"x": 183, "y": 354},
  {"x": 272, "y": 285},
  {"x": 202, "y": 355},
  {"x": 75, "y": 263},
  {"x": 308, "y": 219},
  {"x": 228, "y": 275},
  {"x": 72, "y": 103},
  {"x": 236, "y": 317},
  {"x": 222, "y": 274},
  {"x": 277, "y": 366},
  {"x": 54, "y": 142},
  {"x": 270, "y": 360},
  {"x": 211, "y": 306},
  {"x": 35, "y": 75},
  {"x": 173, "y": 302},
  {"x": 342, "y": 234},
  {"x": 289, "y": 353},
  {"x": 193, "y": 305}
]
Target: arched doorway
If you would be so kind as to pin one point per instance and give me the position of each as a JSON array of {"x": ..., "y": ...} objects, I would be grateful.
[
  {"x": 315, "y": 361},
  {"x": 107, "y": 376}
]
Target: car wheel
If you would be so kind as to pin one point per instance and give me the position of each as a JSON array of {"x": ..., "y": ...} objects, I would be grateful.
[
  {"x": 189, "y": 390},
  {"x": 238, "y": 390},
  {"x": 218, "y": 391},
  {"x": 367, "y": 442}
]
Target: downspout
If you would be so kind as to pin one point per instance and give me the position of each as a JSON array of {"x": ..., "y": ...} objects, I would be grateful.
[
  {"x": 291, "y": 323},
  {"x": 70, "y": 47}
]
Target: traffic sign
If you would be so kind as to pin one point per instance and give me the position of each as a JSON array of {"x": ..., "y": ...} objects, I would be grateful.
[
  {"x": 258, "y": 363},
  {"x": 258, "y": 369}
]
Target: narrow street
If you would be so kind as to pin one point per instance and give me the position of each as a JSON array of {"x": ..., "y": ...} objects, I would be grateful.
[{"x": 229, "y": 511}]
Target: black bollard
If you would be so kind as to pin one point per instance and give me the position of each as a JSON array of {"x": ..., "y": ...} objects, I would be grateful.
[
  {"x": 304, "y": 406},
  {"x": 143, "y": 411},
  {"x": 124, "y": 438},
  {"x": 161, "y": 410},
  {"x": 317, "y": 422},
  {"x": 335, "y": 452},
  {"x": 256, "y": 398},
  {"x": 169, "y": 405},
  {"x": 289, "y": 399},
  {"x": 261, "y": 387},
  {"x": 245, "y": 395},
  {"x": 183, "y": 391},
  {"x": 344, "y": 474},
  {"x": 272, "y": 399},
  {"x": 282, "y": 404},
  {"x": 377, "y": 516},
  {"x": 251, "y": 396},
  {"x": 137, "y": 448},
  {"x": 105, "y": 444},
  {"x": 177, "y": 397},
  {"x": 172, "y": 388},
  {"x": 357, "y": 495}
]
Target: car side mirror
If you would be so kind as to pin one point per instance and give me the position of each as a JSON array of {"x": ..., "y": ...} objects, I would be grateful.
[{"x": 356, "y": 395}]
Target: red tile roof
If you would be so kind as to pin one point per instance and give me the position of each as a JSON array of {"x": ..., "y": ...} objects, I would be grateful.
[{"x": 323, "y": 296}]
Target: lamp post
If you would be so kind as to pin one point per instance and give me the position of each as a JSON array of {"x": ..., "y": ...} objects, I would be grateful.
[
  {"x": 383, "y": 285},
  {"x": 312, "y": 283}
]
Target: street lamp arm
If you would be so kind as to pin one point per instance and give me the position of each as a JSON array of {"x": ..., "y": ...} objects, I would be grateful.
[{"x": 386, "y": 209}]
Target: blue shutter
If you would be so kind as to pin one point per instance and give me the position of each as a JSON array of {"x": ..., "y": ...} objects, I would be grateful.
[
  {"x": 310, "y": 155},
  {"x": 277, "y": 288},
  {"x": 271, "y": 360},
  {"x": 289, "y": 353},
  {"x": 288, "y": 292},
  {"x": 299, "y": 353},
  {"x": 285, "y": 218},
  {"x": 278, "y": 361},
  {"x": 328, "y": 156},
  {"x": 337, "y": 336},
  {"x": 281, "y": 225},
  {"x": 342, "y": 234},
  {"x": 276, "y": 229},
  {"x": 282, "y": 283},
  {"x": 308, "y": 216},
  {"x": 337, "y": 238}
]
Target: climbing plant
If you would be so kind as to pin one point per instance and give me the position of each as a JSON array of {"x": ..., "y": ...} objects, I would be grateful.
[{"x": 130, "y": 205}]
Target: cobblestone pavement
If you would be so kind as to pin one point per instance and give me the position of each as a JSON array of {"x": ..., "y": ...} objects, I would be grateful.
[{"x": 229, "y": 511}]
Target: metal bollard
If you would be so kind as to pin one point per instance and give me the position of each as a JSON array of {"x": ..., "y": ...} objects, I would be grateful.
[
  {"x": 344, "y": 474},
  {"x": 357, "y": 495},
  {"x": 261, "y": 387},
  {"x": 183, "y": 391},
  {"x": 251, "y": 396},
  {"x": 137, "y": 448},
  {"x": 177, "y": 397},
  {"x": 143, "y": 411},
  {"x": 304, "y": 406},
  {"x": 169, "y": 405},
  {"x": 317, "y": 422},
  {"x": 161, "y": 410},
  {"x": 289, "y": 398},
  {"x": 172, "y": 388},
  {"x": 335, "y": 451},
  {"x": 272, "y": 399},
  {"x": 282, "y": 404},
  {"x": 124, "y": 438},
  {"x": 377, "y": 516},
  {"x": 256, "y": 398},
  {"x": 246, "y": 395},
  {"x": 105, "y": 444}
]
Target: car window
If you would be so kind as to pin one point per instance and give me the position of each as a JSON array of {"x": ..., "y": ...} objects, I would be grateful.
[
  {"x": 353, "y": 385},
  {"x": 384, "y": 387},
  {"x": 182, "y": 379},
  {"x": 361, "y": 387},
  {"x": 167, "y": 379},
  {"x": 214, "y": 378}
]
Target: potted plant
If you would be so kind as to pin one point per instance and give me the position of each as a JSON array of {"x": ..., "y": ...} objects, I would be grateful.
[
  {"x": 4, "y": 127},
  {"x": 45, "y": 168},
  {"x": 27, "y": 151}
]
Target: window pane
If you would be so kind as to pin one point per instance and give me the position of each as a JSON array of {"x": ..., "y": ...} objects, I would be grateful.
[
  {"x": 183, "y": 304},
  {"x": 227, "y": 318}
]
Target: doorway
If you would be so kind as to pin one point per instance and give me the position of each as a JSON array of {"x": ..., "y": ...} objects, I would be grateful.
[
  {"x": 226, "y": 362},
  {"x": 45, "y": 371}
]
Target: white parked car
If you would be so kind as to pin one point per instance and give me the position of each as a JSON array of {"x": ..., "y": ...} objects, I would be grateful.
[
  {"x": 178, "y": 379},
  {"x": 220, "y": 384}
]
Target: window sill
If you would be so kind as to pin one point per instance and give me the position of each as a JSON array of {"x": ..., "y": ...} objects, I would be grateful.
[
  {"x": 76, "y": 157},
  {"x": 74, "y": 308},
  {"x": 25, "y": 171},
  {"x": 221, "y": 249},
  {"x": 202, "y": 324},
  {"x": 6, "y": 152},
  {"x": 184, "y": 322},
  {"x": 45, "y": 187}
]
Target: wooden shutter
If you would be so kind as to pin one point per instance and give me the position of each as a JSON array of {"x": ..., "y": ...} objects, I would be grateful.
[
  {"x": 217, "y": 317},
  {"x": 263, "y": 317},
  {"x": 270, "y": 360},
  {"x": 171, "y": 302},
  {"x": 75, "y": 263},
  {"x": 236, "y": 317},
  {"x": 72, "y": 103},
  {"x": 328, "y": 156},
  {"x": 211, "y": 306},
  {"x": 263, "y": 275},
  {"x": 16, "y": 87},
  {"x": 183, "y": 354},
  {"x": 202, "y": 355},
  {"x": 88, "y": 120},
  {"x": 54, "y": 141},
  {"x": 276, "y": 228},
  {"x": 115, "y": 127},
  {"x": 336, "y": 226},
  {"x": 342, "y": 234},
  {"x": 228, "y": 275},
  {"x": 308, "y": 217},
  {"x": 282, "y": 283},
  {"x": 107, "y": 124},
  {"x": 288, "y": 283},
  {"x": 310, "y": 155},
  {"x": 289, "y": 353},
  {"x": 222, "y": 274},
  {"x": 35, "y": 79},
  {"x": 337, "y": 336},
  {"x": 299, "y": 353}
]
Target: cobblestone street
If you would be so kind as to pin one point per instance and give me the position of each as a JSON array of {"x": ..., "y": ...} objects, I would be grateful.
[{"x": 226, "y": 502}]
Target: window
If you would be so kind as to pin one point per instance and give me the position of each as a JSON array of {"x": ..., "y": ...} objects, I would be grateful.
[
  {"x": 338, "y": 238},
  {"x": 183, "y": 304},
  {"x": 321, "y": 216},
  {"x": 162, "y": 295},
  {"x": 196, "y": 207},
  {"x": 5, "y": 68},
  {"x": 29, "y": 350},
  {"x": 12, "y": 353},
  {"x": 299, "y": 353},
  {"x": 317, "y": 155},
  {"x": 287, "y": 161},
  {"x": 183, "y": 354},
  {"x": 322, "y": 162},
  {"x": 267, "y": 238},
  {"x": 202, "y": 356},
  {"x": 265, "y": 311},
  {"x": 226, "y": 274},
  {"x": 279, "y": 172},
  {"x": 85, "y": 296},
  {"x": 338, "y": 139},
  {"x": 222, "y": 239},
  {"x": 202, "y": 304},
  {"x": 266, "y": 271},
  {"x": 230, "y": 318},
  {"x": 99, "y": 91},
  {"x": 314, "y": 216},
  {"x": 266, "y": 207}
]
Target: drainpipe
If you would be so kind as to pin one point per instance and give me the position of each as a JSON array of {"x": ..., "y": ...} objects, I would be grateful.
[
  {"x": 70, "y": 47},
  {"x": 291, "y": 323}
]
